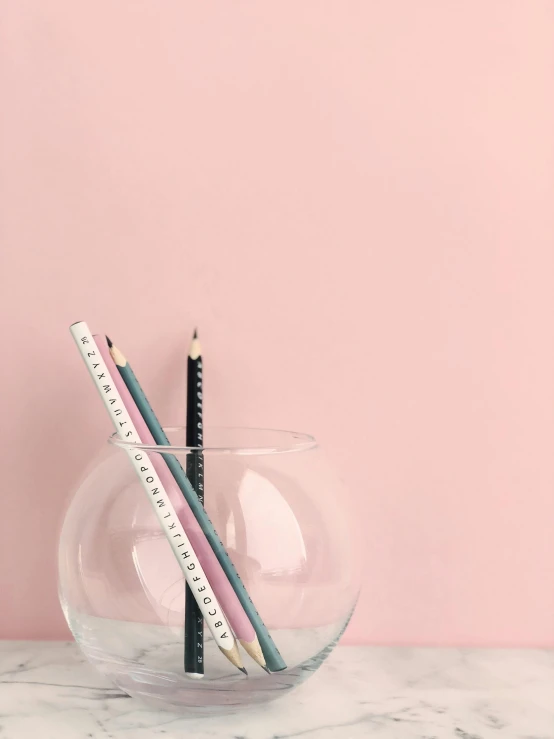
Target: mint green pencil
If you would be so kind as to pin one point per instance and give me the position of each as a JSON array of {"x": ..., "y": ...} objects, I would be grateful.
[{"x": 273, "y": 660}]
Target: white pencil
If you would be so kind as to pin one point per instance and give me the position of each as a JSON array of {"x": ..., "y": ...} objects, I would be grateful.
[{"x": 165, "y": 512}]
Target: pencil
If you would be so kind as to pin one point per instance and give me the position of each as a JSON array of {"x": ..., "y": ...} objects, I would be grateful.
[
  {"x": 194, "y": 623},
  {"x": 98, "y": 361},
  {"x": 261, "y": 646}
]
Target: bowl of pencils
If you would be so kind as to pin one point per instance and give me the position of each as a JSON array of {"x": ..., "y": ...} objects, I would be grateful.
[{"x": 203, "y": 569}]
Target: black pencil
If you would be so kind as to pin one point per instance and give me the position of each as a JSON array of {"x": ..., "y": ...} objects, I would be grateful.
[{"x": 194, "y": 623}]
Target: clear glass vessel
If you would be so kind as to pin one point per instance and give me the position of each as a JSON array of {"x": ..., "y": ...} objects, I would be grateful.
[{"x": 289, "y": 528}]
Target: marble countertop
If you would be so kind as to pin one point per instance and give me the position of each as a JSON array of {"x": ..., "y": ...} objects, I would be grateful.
[{"x": 48, "y": 691}]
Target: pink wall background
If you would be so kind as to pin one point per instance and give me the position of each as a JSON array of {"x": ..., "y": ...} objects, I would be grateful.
[{"x": 366, "y": 186}]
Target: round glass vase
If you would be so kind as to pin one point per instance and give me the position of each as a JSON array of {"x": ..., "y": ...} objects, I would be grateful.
[{"x": 288, "y": 527}]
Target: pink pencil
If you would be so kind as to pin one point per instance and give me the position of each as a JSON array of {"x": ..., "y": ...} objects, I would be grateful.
[{"x": 240, "y": 623}]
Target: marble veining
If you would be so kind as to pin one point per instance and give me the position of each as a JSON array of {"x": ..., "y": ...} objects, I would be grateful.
[{"x": 49, "y": 691}]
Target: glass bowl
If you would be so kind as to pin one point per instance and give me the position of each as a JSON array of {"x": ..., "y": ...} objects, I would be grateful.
[{"x": 287, "y": 524}]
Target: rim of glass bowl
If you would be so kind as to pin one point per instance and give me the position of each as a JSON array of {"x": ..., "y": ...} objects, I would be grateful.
[{"x": 293, "y": 441}]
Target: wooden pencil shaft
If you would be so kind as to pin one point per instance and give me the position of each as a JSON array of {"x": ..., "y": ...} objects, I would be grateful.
[
  {"x": 194, "y": 625},
  {"x": 152, "y": 485},
  {"x": 273, "y": 659},
  {"x": 195, "y": 428}
]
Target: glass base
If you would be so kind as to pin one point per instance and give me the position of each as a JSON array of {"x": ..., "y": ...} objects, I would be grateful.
[
  {"x": 196, "y": 703},
  {"x": 146, "y": 662}
]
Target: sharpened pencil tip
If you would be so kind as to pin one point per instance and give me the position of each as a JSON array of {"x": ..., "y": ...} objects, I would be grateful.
[
  {"x": 243, "y": 669},
  {"x": 195, "y": 351},
  {"x": 265, "y": 668},
  {"x": 117, "y": 356}
]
